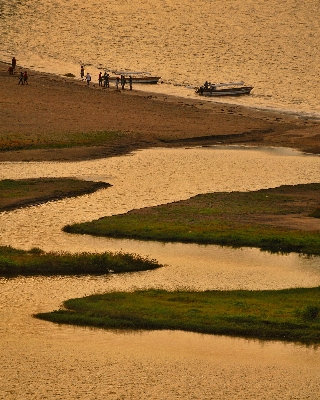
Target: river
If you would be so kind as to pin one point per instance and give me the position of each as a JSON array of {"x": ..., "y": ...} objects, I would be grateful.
[
  {"x": 41, "y": 360},
  {"x": 272, "y": 46}
]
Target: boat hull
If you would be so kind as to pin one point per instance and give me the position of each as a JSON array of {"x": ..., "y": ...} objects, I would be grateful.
[
  {"x": 151, "y": 80},
  {"x": 225, "y": 92}
]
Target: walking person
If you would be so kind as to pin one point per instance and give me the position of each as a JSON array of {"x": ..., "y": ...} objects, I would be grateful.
[
  {"x": 130, "y": 82},
  {"x": 25, "y": 78},
  {"x": 20, "y": 78},
  {"x": 88, "y": 78},
  {"x": 117, "y": 82},
  {"x": 82, "y": 72},
  {"x": 100, "y": 79}
]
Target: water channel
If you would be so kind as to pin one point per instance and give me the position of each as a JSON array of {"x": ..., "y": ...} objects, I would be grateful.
[{"x": 40, "y": 360}]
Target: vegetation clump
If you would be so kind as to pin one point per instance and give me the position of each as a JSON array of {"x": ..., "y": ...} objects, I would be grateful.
[
  {"x": 288, "y": 315},
  {"x": 315, "y": 213},
  {"x": 15, "y": 262},
  {"x": 310, "y": 313},
  {"x": 278, "y": 220},
  {"x": 26, "y": 192}
]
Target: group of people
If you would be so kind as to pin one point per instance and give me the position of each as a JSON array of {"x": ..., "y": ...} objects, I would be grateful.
[
  {"x": 104, "y": 80},
  {"x": 209, "y": 85},
  {"x": 23, "y": 77},
  {"x": 123, "y": 82}
]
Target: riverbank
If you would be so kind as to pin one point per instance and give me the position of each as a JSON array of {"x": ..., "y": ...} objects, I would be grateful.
[{"x": 60, "y": 118}]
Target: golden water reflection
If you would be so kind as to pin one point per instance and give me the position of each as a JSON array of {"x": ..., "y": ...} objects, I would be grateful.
[{"x": 41, "y": 360}]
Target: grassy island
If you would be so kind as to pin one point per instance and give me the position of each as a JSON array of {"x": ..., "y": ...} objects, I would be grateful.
[
  {"x": 288, "y": 315},
  {"x": 282, "y": 219},
  {"x": 14, "y": 262},
  {"x": 27, "y": 192}
]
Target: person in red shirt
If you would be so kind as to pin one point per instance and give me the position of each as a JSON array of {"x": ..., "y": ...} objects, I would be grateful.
[{"x": 25, "y": 77}]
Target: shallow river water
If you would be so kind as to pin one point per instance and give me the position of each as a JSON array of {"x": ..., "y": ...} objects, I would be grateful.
[
  {"x": 41, "y": 360},
  {"x": 271, "y": 45}
]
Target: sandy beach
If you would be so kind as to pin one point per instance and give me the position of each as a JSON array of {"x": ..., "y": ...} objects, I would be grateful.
[{"x": 51, "y": 106}]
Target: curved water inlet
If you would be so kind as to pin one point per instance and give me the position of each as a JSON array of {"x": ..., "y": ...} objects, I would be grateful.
[
  {"x": 44, "y": 360},
  {"x": 158, "y": 176}
]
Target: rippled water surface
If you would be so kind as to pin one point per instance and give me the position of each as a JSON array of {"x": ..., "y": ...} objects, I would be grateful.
[
  {"x": 159, "y": 176},
  {"x": 271, "y": 45},
  {"x": 41, "y": 360}
]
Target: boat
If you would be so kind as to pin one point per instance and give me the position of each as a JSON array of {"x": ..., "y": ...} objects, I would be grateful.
[
  {"x": 137, "y": 77},
  {"x": 224, "y": 89}
]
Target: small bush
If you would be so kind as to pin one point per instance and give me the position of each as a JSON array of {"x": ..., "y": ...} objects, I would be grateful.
[
  {"x": 310, "y": 313},
  {"x": 316, "y": 213}
]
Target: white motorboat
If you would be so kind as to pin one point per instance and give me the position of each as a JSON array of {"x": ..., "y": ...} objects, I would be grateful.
[{"x": 224, "y": 89}]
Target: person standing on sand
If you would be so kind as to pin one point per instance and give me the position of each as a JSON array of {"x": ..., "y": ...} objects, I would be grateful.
[
  {"x": 21, "y": 78},
  {"x": 117, "y": 82},
  {"x": 25, "y": 78},
  {"x": 123, "y": 81},
  {"x": 13, "y": 63},
  {"x": 88, "y": 78},
  {"x": 100, "y": 79},
  {"x": 130, "y": 82},
  {"x": 82, "y": 72}
]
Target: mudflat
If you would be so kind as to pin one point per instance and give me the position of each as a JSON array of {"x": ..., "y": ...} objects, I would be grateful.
[{"x": 60, "y": 118}]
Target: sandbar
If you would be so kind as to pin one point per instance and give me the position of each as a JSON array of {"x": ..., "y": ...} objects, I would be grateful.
[{"x": 52, "y": 104}]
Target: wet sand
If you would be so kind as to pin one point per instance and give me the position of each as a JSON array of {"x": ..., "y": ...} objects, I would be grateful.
[{"x": 51, "y": 104}]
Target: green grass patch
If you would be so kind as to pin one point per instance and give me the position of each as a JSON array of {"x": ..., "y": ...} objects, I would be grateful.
[
  {"x": 14, "y": 262},
  {"x": 23, "y": 192},
  {"x": 40, "y": 140},
  {"x": 260, "y": 219},
  {"x": 288, "y": 315}
]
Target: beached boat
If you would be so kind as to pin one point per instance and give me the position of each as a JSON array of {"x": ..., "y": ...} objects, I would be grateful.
[
  {"x": 224, "y": 89},
  {"x": 137, "y": 77}
]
